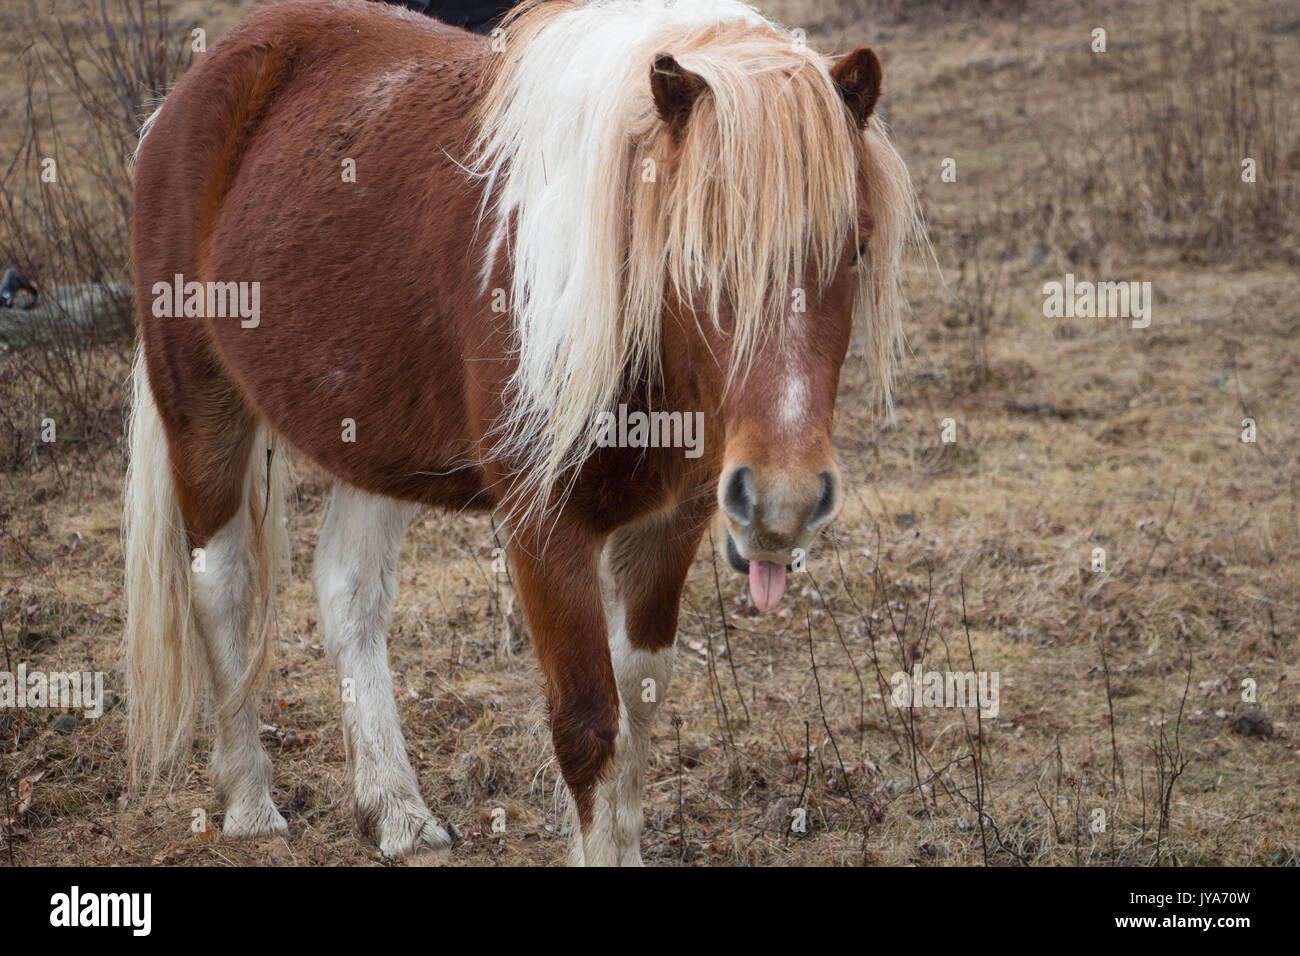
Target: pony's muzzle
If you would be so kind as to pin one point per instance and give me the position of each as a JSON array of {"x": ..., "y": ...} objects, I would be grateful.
[
  {"x": 779, "y": 509},
  {"x": 770, "y": 519}
]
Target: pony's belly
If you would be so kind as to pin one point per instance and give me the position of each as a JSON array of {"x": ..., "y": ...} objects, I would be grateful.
[{"x": 359, "y": 355}]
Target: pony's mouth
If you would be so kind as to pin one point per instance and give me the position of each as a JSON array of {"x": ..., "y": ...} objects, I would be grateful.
[{"x": 766, "y": 578}]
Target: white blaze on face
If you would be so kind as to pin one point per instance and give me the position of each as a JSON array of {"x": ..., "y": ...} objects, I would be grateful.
[
  {"x": 794, "y": 396},
  {"x": 793, "y": 408}
]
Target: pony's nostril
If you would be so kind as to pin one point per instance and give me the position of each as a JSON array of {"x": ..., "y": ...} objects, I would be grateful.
[
  {"x": 738, "y": 495},
  {"x": 825, "y": 501}
]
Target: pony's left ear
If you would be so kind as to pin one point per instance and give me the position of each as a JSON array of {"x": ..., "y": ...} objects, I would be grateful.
[
  {"x": 675, "y": 90},
  {"x": 858, "y": 76}
]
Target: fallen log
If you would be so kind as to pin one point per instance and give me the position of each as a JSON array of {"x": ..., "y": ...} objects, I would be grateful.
[{"x": 71, "y": 314}]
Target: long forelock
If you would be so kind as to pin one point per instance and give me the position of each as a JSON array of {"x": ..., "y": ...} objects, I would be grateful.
[
  {"x": 761, "y": 190},
  {"x": 609, "y": 210}
]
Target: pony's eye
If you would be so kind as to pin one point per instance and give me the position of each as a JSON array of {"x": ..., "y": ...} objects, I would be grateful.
[{"x": 861, "y": 253}]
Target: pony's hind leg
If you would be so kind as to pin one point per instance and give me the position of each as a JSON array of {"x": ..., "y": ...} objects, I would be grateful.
[
  {"x": 232, "y": 516},
  {"x": 224, "y": 596},
  {"x": 356, "y": 580},
  {"x": 203, "y": 516}
]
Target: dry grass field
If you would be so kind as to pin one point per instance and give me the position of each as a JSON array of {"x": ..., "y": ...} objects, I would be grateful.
[{"x": 1126, "y": 734}]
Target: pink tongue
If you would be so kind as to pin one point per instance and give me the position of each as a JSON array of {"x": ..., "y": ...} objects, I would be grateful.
[{"x": 766, "y": 584}]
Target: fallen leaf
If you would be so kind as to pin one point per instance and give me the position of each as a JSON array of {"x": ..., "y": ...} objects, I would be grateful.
[{"x": 26, "y": 791}]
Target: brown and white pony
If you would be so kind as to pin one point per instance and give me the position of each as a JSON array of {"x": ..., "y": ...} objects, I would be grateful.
[{"x": 466, "y": 250}]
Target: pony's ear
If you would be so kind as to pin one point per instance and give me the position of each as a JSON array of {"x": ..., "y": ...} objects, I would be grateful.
[
  {"x": 675, "y": 90},
  {"x": 858, "y": 78}
]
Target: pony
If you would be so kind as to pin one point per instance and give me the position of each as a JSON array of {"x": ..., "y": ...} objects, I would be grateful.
[{"x": 669, "y": 208}]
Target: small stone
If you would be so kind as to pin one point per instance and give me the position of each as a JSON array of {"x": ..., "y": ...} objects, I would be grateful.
[
  {"x": 1252, "y": 722},
  {"x": 65, "y": 724}
]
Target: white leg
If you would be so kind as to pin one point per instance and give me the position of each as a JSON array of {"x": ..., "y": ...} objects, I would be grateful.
[
  {"x": 223, "y": 600},
  {"x": 356, "y": 581},
  {"x": 642, "y": 682}
]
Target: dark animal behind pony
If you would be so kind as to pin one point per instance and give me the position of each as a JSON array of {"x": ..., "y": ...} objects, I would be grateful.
[{"x": 480, "y": 16}]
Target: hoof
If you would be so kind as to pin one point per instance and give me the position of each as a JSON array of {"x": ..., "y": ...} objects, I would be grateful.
[
  {"x": 407, "y": 830},
  {"x": 256, "y": 818}
]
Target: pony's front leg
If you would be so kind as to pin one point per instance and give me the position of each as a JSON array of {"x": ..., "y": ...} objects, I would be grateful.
[
  {"x": 356, "y": 581},
  {"x": 558, "y": 582},
  {"x": 644, "y": 568}
]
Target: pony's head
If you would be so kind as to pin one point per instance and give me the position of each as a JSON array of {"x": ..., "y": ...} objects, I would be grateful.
[{"x": 693, "y": 189}]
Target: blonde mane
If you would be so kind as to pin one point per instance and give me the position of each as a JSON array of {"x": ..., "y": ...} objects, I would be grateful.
[{"x": 603, "y": 209}]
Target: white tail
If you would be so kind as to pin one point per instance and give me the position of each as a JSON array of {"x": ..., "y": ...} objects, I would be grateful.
[{"x": 166, "y": 655}]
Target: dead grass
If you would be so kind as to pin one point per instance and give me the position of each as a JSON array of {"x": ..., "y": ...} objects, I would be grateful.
[{"x": 1119, "y": 689}]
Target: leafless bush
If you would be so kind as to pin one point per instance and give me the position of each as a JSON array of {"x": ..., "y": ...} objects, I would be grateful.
[
  {"x": 89, "y": 74},
  {"x": 837, "y": 24},
  {"x": 975, "y": 298},
  {"x": 1219, "y": 104},
  {"x": 902, "y": 11},
  {"x": 1203, "y": 112}
]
